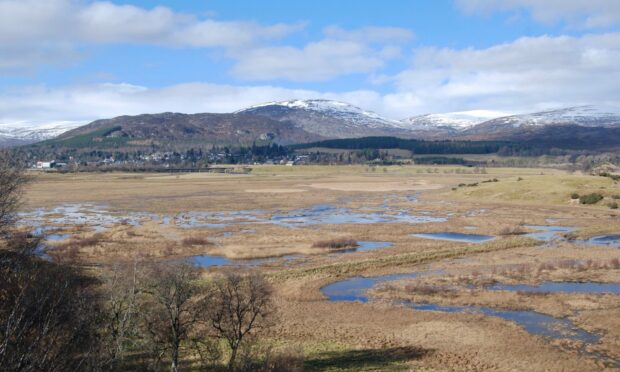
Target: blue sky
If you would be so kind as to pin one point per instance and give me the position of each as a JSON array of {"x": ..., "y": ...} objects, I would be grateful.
[{"x": 82, "y": 60}]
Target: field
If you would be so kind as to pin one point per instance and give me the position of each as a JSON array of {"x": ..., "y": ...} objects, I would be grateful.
[{"x": 286, "y": 222}]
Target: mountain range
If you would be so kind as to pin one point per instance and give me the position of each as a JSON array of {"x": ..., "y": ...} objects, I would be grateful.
[{"x": 298, "y": 121}]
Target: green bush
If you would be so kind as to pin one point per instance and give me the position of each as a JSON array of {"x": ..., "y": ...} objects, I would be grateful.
[
  {"x": 592, "y": 198},
  {"x": 574, "y": 196}
]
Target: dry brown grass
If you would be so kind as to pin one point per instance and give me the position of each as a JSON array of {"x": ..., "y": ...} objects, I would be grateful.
[
  {"x": 512, "y": 230},
  {"x": 461, "y": 342},
  {"x": 335, "y": 243},
  {"x": 195, "y": 240}
]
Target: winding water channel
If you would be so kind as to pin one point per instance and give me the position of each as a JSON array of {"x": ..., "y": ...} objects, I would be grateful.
[{"x": 356, "y": 288}]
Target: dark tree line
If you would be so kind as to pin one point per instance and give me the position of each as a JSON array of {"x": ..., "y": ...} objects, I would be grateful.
[{"x": 415, "y": 146}]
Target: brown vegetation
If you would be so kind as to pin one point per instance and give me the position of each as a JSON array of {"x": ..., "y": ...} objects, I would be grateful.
[
  {"x": 514, "y": 230},
  {"x": 240, "y": 305},
  {"x": 335, "y": 243},
  {"x": 12, "y": 181},
  {"x": 194, "y": 240}
]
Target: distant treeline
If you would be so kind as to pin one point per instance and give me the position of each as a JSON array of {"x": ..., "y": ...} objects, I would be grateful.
[
  {"x": 413, "y": 145},
  {"x": 443, "y": 160}
]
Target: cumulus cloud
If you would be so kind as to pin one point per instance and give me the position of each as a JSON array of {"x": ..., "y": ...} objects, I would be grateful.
[
  {"x": 37, "y": 105},
  {"x": 58, "y": 26},
  {"x": 27, "y": 21},
  {"x": 576, "y": 13},
  {"x": 340, "y": 52},
  {"x": 524, "y": 75},
  {"x": 51, "y": 32}
]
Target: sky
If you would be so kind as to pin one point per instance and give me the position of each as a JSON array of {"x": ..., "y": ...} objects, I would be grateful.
[{"x": 80, "y": 60}]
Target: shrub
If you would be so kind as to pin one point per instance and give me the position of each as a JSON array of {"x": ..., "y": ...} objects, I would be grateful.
[
  {"x": 574, "y": 196},
  {"x": 335, "y": 243},
  {"x": 615, "y": 197},
  {"x": 615, "y": 177},
  {"x": 515, "y": 230},
  {"x": 592, "y": 198},
  {"x": 613, "y": 205}
]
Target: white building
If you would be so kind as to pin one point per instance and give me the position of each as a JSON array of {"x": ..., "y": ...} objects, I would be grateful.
[{"x": 46, "y": 164}]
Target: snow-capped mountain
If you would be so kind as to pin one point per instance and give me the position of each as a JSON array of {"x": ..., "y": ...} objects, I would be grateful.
[
  {"x": 305, "y": 120},
  {"x": 22, "y": 133},
  {"x": 450, "y": 121},
  {"x": 583, "y": 116},
  {"x": 342, "y": 110},
  {"x": 328, "y": 118}
]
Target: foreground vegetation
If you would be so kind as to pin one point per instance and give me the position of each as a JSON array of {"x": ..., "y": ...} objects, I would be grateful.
[
  {"x": 124, "y": 272},
  {"x": 133, "y": 315}
]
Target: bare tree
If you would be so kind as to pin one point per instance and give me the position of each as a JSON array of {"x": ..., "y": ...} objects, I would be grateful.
[
  {"x": 172, "y": 307},
  {"x": 239, "y": 306},
  {"x": 12, "y": 181},
  {"x": 120, "y": 292},
  {"x": 47, "y": 315}
]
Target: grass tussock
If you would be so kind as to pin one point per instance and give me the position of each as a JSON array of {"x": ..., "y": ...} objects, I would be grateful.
[
  {"x": 195, "y": 240},
  {"x": 429, "y": 290},
  {"x": 512, "y": 230},
  {"x": 335, "y": 243}
]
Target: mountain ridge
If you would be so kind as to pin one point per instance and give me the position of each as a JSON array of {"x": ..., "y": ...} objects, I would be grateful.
[{"x": 289, "y": 121}]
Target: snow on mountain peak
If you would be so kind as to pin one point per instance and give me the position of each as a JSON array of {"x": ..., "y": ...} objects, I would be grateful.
[
  {"x": 587, "y": 116},
  {"x": 36, "y": 132},
  {"x": 342, "y": 110},
  {"x": 459, "y": 120},
  {"x": 315, "y": 105}
]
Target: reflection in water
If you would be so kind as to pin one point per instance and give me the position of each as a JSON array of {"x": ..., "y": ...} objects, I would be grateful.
[
  {"x": 99, "y": 217},
  {"x": 354, "y": 289},
  {"x": 212, "y": 260},
  {"x": 456, "y": 237},
  {"x": 548, "y": 233},
  {"x": 608, "y": 240}
]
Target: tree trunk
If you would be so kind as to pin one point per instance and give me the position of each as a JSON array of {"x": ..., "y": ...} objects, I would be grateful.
[
  {"x": 231, "y": 361},
  {"x": 175, "y": 359}
]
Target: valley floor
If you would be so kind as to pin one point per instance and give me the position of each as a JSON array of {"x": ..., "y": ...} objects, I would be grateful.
[{"x": 447, "y": 318}]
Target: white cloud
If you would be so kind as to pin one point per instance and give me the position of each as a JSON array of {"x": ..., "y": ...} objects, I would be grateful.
[
  {"x": 29, "y": 21},
  {"x": 341, "y": 52},
  {"x": 370, "y": 34},
  {"x": 52, "y": 32},
  {"x": 526, "y": 75},
  {"x": 521, "y": 76},
  {"x": 576, "y": 13},
  {"x": 56, "y": 26},
  {"x": 37, "y": 105}
]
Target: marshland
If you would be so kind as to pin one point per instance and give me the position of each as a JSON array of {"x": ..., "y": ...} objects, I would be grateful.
[{"x": 396, "y": 269}]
